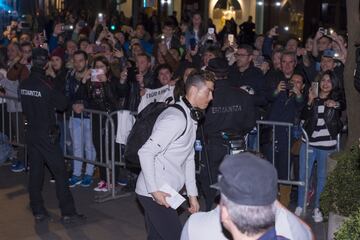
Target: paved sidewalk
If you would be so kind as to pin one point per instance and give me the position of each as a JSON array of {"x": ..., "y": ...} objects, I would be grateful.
[{"x": 118, "y": 219}]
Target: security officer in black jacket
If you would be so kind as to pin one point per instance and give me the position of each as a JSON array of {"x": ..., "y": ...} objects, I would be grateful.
[
  {"x": 39, "y": 101},
  {"x": 232, "y": 110}
]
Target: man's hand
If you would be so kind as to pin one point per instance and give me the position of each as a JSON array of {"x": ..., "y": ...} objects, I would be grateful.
[
  {"x": 318, "y": 35},
  {"x": 281, "y": 86},
  {"x": 159, "y": 197},
  {"x": 194, "y": 204},
  {"x": 86, "y": 76},
  {"x": 311, "y": 96},
  {"x": 273, "y": 32},
  {"x": 118, "y": 53}
]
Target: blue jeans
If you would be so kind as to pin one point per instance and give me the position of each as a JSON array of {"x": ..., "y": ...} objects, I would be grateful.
[
  {"x": 320, "y": 156},
  {"x": 81, "y": 135}
]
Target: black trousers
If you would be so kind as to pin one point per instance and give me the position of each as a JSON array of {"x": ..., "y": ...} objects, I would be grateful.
[
  {"x": 216, "y": 152},
  {"x": 161, "y": 223},
  {"x": 42, "y": 152},
  {"x": 17, "y": 127}
]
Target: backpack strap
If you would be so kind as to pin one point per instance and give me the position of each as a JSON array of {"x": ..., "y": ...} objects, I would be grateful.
[{"x": 181, "y": 109}]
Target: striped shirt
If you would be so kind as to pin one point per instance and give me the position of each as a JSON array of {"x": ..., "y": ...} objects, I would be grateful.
[{"x": 320, "y": 137}]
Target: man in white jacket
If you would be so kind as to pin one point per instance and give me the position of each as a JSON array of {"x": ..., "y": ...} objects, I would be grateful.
[{"x": 167, "y": 157}]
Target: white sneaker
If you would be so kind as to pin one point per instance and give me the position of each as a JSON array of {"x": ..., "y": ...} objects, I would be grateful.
[
  {"x": 298, "y": 211},
  {"x": 318, "y": 217}
]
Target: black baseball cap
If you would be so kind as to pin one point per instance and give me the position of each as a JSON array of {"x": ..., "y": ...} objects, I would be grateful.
[
  {"x": 247, "y": 179},
  {"x": 219, "y": 67}
]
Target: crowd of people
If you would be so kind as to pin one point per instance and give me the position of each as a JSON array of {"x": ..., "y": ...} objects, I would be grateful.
[{"x": 102, "y": 63}]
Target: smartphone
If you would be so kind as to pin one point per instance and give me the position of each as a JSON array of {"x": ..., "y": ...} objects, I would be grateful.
[
  {"x": 289, "y": 86},
  {"x": 192, "y": 44},
  {"x": 211, "y": 30},
  {"x": 231, "y": 39},
  {"x": 258, "y": 61},
  {"x": 67, "y": 27},
  {"x": 315, "y": 88},
  {"x": 101, "y": 17},
  {"x": 95, "y": 73},
  {"x": 82, "y": 23}
]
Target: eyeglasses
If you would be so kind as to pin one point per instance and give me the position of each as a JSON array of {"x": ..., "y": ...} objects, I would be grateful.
[{"x": 241, "y": 55}]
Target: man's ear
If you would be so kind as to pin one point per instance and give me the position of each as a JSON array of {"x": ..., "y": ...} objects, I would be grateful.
[{"x": 224, "y": 216}]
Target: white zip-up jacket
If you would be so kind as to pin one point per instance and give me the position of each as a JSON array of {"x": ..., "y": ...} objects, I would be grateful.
[{"x": 166, "y": 157}]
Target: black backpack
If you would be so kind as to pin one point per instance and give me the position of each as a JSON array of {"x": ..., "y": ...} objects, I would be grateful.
[{"x": 142, "y": 130}]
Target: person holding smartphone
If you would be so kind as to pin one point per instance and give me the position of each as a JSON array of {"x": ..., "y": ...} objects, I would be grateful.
[
  {"x": 286, "y": 106},
  {"x": 95, "y": 92},
  {"x": 322, "y": 124}
]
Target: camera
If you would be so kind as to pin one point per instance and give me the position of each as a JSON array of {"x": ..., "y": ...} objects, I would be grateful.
[
  {"x": 289, "y": 86},
  {"x": 67, "y": 27},
  {"x": 326, "y": 31}
]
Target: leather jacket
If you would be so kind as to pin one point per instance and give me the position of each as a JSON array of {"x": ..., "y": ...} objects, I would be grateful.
[{"x": 331, "y": 117}]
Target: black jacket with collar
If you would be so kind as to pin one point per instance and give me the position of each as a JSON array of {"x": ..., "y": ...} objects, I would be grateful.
[{"x": 331, "y": 116}]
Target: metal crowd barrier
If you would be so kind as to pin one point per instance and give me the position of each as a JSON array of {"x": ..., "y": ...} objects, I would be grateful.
[
  {"x": 105, "y": 157},
  {"x": 12, "y": 125},
  {"x": 289, "y": 126}
]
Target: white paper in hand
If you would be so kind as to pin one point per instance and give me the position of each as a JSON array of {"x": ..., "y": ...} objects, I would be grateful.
[{"x": 175, "y": 200}]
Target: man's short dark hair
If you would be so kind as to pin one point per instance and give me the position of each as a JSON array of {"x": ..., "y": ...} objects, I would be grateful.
[
  {"x": 164, "y": 66},
  {"x": 199, "y": 79},
  {"x": 249, "y": 49},
  {"x": 145, "y": 55},
  {"x": 83, "y": 40},
  {"x": 214, "y": 50},
  {"x": 289, "y": 53},
  {"x": 169, "y": 23},
  {"x": 81, "y": 52}
]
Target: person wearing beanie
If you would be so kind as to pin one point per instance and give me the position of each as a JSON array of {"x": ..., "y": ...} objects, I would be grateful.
[
  {"x": 232, "y": 110},
  {"x": 56, "y": 70},
  {"x": 40, "y": 100}
]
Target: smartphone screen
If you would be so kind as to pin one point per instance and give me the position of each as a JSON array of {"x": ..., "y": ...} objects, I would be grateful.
[
  {"x": 95, "y": 73},
  {"x": 315, "y": 88},
  {"x": 231, "y": 39}
]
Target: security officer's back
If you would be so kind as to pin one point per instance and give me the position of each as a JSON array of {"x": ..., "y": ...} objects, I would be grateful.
[
  {"x": 232, "y": 110},
  {"x": 39, "y": 101}
]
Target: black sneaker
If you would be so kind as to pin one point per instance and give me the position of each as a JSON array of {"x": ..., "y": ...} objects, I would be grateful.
[{"x": 76, "y": 218}]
